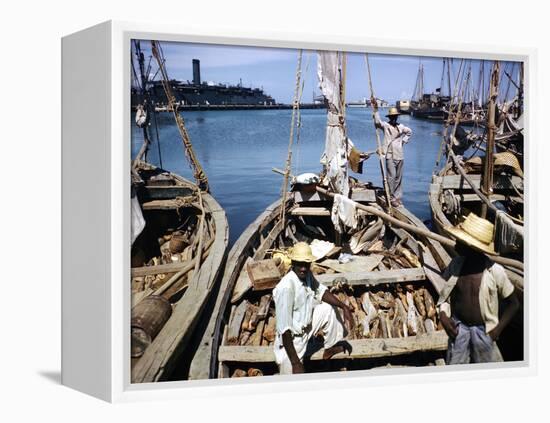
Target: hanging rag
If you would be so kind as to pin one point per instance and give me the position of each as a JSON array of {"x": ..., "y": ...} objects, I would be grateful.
[
  {"x": 508, "y": 235},
  {"x": 138, "y": 222},
  {"x": 141, "y": 117},
  {"x": 344, "y": 213},
  {"x": 355, "y": 160}
]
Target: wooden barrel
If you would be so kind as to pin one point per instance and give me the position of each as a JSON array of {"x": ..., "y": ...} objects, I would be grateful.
[
  {"x": 178, "y": 242},
  {"x": 148, "y": 318}
]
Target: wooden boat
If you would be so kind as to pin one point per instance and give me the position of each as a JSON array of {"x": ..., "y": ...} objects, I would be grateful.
[
  {"x": 179, "y": 243},
  {"x": 399, "y": 261},
  {"x": 456, "y": 191},
  {"x": 385, "y": 266},
  {"x": 452, "y": 198},
  {"x": 489, "y": 186},
  {"x": 176, "y": 263}
]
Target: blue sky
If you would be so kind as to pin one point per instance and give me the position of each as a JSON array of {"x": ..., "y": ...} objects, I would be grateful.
[{"x": 274, "y": 70}]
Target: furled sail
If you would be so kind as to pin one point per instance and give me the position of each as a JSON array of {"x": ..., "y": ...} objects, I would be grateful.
[{"x": 335, "y": 156}]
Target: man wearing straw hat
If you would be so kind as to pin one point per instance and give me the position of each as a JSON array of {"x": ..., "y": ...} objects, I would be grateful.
[
  {"x": 469, "y": 302},
  {"x": 395, "y": 136},
  {"x": 304, "y": 311}
]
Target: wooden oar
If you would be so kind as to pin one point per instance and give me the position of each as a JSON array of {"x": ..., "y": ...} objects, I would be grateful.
[{"x": 415, "y": 229}]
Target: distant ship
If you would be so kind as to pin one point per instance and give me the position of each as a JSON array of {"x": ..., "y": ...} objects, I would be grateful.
[
  {"x": 204, "y": 93},
  {"x": 361, "y": 103},
  {"x": 404, "y": 106}
]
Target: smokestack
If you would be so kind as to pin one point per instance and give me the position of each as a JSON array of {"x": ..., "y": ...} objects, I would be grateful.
[{"x": 196, "y": 72}]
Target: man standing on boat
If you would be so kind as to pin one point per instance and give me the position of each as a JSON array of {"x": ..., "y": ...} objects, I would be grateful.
[
  {"x": 395, "y": 136},
  {"x": 305, "y": 312},
  {"x": 469, "y": 302}
]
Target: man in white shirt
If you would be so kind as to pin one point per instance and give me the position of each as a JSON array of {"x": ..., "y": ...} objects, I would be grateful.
[
  {"x": 395, "y": 136},
  {"x": 303, "y": 311},
  {"x": 469, "y": 302}
]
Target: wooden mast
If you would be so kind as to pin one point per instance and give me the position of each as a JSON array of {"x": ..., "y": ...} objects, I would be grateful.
[
  {"x": 488, "y": 166},
  {"x": 378, "y": 143},
  {"x": 198, "y": 172}
]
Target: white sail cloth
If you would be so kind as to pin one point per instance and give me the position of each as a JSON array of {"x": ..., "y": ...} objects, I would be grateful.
[
  {"x": 335, "y": 156},
  {"x": 138, "y": 222}
]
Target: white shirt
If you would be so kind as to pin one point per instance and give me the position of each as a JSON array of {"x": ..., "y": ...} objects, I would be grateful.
[
  {"x": 295, "y": 301},
  {"x": 495, "y": 284},
  {"x": 394, "y": 137}
]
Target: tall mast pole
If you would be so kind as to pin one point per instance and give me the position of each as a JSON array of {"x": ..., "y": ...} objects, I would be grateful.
[
  {"x": 378, "y": 143},
  {"x": 520, "y": 91},
  {"x": 142, "y": 154},
  {"x": 488, "y": 166}
]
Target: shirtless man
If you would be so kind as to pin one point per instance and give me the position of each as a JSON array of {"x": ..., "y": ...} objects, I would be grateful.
[{"x": 474, "y": 287}]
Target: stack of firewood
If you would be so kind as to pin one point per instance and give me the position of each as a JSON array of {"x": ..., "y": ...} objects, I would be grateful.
[
  {"x": 397, "y": 311},
  {"x": 394, "y": 311},
  {"x": 252, "y": 323}
]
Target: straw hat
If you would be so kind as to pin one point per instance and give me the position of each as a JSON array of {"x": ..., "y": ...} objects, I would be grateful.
[
  {"x": 475, "y": 232},
  {"x": 302, "y": 252},
  {"x": 508, "y": 159},
  {"x": 393, "y": 112}
]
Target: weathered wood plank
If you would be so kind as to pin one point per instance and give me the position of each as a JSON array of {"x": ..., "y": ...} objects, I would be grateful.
[
  {"x": 169, "y": 267},
  {"x": 165, "y": 204},
  {"x": 164, "y": 193},
  {"x": 310, "y": 211},
  {"x": 362, "y": 195},
  {"x": 268, "y": 241},
  {"x": 361, "y": 349},
  {"x": 375, "y": 277},
  {"x": 458, "y": 182}
]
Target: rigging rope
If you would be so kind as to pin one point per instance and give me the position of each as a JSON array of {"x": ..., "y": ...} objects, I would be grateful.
[
  {"x": 198, "y": 172},
  {"x": 448, "y": 121},
  {"x": 295, "y": 106},
  {"x": 299, "y": 118}
]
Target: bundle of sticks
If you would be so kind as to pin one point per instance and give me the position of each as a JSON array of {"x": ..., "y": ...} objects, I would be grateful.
[
  {"x": 252, "y": 322},
  {"x": 391, "y": 311},
  {"x": 387, "y": 311}
]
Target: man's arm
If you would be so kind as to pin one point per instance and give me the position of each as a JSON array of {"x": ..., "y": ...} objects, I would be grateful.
[
  {"x": 297, "y": 366},
  {"x": 448, "y": 325},
  {"x": 376, "y": 116},
  {"x": 510, "y": 306},
  {"x": 332, "y": 300},
  {"x": 407, "y": 133},
  {"x": 510, "y": 302}
]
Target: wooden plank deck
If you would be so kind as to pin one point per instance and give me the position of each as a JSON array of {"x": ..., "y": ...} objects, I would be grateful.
[
  {"x": 375, "y": 277},
  {"x": 361, "y": 349},
  {"x": 458, "y": 182}
]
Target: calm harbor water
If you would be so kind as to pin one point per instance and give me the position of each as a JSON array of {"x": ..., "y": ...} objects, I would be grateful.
[{"x": 239, "y": 148}]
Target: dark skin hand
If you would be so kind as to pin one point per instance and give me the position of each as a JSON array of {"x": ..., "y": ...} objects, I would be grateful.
[
  {"x": 510, "y": 306},
  {"x": 302, "y": 269},
  {"x": 348, "y": 316},
  {"x": 374, "y": 103},
  {"x": 449, "y": 326},
  {"x": 297, "y": 366}
]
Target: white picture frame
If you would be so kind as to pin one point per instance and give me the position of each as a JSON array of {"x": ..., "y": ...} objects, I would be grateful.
[{"x": 96, "y": 190}]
